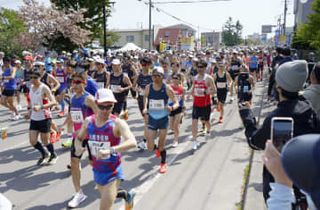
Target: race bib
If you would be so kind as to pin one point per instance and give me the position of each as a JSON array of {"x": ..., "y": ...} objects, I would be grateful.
[
  {"x": 100, "y": 85},
  {"x": 199, "y": 91},
  {"x": 245, "y": 89},
  {"x": 156, "y": 104},
  {"x": 76, "y": 116},
  {"x": 115, "y": 88},
  {"x": 235, "y": 67},
  {"x": 141, "y": 92},
  {"x": 96, "y": 146},
  {"x": 60, "y": 79},
  {"x": 221, "y": 85}
]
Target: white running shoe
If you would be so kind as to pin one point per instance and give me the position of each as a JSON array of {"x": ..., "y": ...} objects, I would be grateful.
[
  {"x": 231, "y": 99},
  {"x": 78, "y": 198},
  {"x": 195, "y": 145},
  {"x": 19, "y": 107},
  {"x": 175, "y": 144},
  {"x": 142, "y": 145}
]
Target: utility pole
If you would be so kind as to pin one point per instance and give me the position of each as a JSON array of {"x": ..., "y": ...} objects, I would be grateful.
[
  {"x": 104, "y": 30},
  {"x": 285, "y": 16},
  {"x": 150, "y": 36}
]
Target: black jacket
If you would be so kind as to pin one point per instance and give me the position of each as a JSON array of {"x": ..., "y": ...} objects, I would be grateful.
[{"x": 305, "y": 121}]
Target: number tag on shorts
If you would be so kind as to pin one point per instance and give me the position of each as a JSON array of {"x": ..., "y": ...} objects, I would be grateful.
[
  {"x": 100, "y": 85},
  {"x": 60, "y": 79},
  {"x": 221, "y": 85},
  {"x": 199, "y": 91},
  {"x": 156, "y": 104},
  {"x": 76, "y": 116},
  {"x": 96, "y": 146},
  {"x": 115, "y": 88}
]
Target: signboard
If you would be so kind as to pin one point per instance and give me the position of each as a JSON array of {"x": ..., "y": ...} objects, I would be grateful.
[
  {"x": 265, "y": 29},
  {"x": 263, "y": 38},
  {"x": 277, "y": 38}
]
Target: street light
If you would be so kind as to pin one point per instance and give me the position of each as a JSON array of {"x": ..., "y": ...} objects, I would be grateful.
[{"x": 105, "y": 26}]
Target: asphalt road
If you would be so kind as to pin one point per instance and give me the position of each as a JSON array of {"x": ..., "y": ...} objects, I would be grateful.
[{"x": 211, "y": 178}]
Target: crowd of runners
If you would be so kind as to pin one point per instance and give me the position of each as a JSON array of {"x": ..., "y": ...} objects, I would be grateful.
[{"x": 90, "y": 91}]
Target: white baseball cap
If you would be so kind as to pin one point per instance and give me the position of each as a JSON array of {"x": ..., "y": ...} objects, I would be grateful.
[
  {"x": 116, "y": 62},
  {"x": 39, "y": 63},
  {"x": 158, "y": 70},
  {"x": 100, "y": 60},
  {"x": 105, "y": 95},
  {"x": 17, "y": 62}
]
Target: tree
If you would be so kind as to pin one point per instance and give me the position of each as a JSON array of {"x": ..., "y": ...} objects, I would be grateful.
[
  {"x": 11, "y": 27},
  {"x": 93, "y": 13},
  {"x": 231, "y": 34},
  {"x": 308, "y": 35},
  {"x": 49, "y": 27}
]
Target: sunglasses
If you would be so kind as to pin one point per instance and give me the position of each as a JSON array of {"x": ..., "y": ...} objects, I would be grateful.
[
  {"x": 77, "y": 82},
  {"x": 102, "y": 107},
  {"x": 201, "y": 67},
  {"x": 175, "y": 78},
  {"x": 34, "y": 77},
  {"x": 156, "y": 75}
]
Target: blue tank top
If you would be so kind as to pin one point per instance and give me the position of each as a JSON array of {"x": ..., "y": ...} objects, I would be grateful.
[
  {"x": 158, "y": 102},
  {"x": 79, "y": 104},
  {"x": 91, "y": 87},
  {"x": 253, "y": 62},
  {"x": 9, "y": 84}
]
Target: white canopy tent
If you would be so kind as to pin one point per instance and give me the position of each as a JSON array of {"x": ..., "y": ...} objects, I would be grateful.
[{"x": 128, "y": 47}]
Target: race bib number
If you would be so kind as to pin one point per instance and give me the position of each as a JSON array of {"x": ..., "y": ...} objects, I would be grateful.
[
  {"x": 28, "y": 84},
  {"x": 96, "y": 146},
  {"x": 235, "y": 67},
  {"x": 100, "y": 85},
  {"x": 115, "y": 88},
  {"x": 199, "y": 91},
  {"x": 245, "y": 89},
  {"x": 156, "y": 104},
  {"x": 141, "y": 91},
  {"x": 76, "y": 116},
  {"x": 221, "y": 85},
  {"x": 60, "y": 79}
]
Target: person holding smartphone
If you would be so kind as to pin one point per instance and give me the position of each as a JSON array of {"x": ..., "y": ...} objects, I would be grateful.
[{"x": 290, "y": 79}]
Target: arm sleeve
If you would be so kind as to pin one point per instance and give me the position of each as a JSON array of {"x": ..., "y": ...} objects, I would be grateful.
[{"x": 281, "y": 197}]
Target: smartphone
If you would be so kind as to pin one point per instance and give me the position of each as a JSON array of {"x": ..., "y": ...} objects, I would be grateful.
[{"x": 281, "y": 131}]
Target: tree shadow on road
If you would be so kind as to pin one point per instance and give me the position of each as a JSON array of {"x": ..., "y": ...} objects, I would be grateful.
[{"x": 21, "y": 154}]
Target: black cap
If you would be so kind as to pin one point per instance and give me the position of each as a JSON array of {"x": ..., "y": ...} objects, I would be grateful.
[
  {"x": 146, "y": 60},
  {"x": 202, "y": 63},
  {"x": 286, "y": 51},
  {"x": 6, "y": 59},
  {"x": 35, "y": 72},
  {"x": 300, "y": 158}
]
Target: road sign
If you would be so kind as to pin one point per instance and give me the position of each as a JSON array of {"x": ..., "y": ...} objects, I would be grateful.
[{"x": 265, "y": 29}]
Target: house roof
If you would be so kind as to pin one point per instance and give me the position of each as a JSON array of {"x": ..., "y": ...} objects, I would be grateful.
[{"x": 182, "y": 26}]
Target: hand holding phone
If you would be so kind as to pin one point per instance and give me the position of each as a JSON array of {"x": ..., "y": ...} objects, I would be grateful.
[{"x": 281, "y": 131}]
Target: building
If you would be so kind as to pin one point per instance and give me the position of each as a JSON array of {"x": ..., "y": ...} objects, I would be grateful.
[
  {"x": 139, "y": 37},
  {"x": 301, "y": 11},
  {"x": 177, "y": 37},
  {"x": 211, "y": 39}
]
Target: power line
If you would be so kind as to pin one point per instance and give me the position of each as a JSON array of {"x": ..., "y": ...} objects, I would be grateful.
[{"x": 186, "y": 2}]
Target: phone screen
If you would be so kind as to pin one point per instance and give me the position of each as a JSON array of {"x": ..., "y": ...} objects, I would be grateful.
[{"x": 282, "y": 132}]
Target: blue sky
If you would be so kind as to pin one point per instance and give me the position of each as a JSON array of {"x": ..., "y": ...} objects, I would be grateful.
[{"x": 130, "y": 14}]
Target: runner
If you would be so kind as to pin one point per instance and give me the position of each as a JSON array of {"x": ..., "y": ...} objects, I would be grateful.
[
  {"x": 223, "y": 81},
  {"x": 235, "y": 64},
  {"x": 143, "y": 80},
  {"x": 202, "y": 89},
  {"x": 104, "y": 132},
  {"x": 19, "y": 80},
  {"x": 39, "y": 113},
  {"x": 100, "y": 75},
  {"x": 61, "y": 75},
  {"x": 253, "y": 66},
  {"x": 176, "y": 115},
  {"x": 10, "y": 86},
  {"x": 156, "y": 106},
  {"x": 82, "y": 106},
  {"x": 119, "y": 84},
  {"x": 245, "y": 85},
  {"x": 25, "y": 87}
]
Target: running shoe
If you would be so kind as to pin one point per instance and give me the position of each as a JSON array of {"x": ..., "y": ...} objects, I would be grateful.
[
  {"x": 130, "y": 200},
  {"x": 163, "y": 168},
  {"x": 43, "y": 160},
  {"x": 231, "y": 99},
  {"x": 78, "y": 198},
  {"x": 67, "y": 143},
  {"x": 142, "y": 145},
  {"x": 194, "y": 145},
  {"x": 157, "y": 152},
  {"x": 53, "y": 159},
  {"x": 175, "y": 144}
]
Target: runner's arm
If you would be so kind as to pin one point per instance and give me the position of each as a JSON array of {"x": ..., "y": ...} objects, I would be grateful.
[
  {"x": 172, "y": 98},
  {"x": 212, "y": 87},
  {"x": 127, "y": 81},
  {"x": 82, "y": 134},
  {"x": 52, "y": 101},
  {"x": 91, "y": 103},
  {"x": 55, "y": 83},
  {"x": 122, "y": 130},
  {"x": 145, "y": 98}
]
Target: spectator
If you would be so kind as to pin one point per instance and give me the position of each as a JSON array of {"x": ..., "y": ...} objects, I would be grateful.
[
  {"x": 312, "y": 93},
  {"x": 290, "y": 78},
  {"x": 298, "y": 164}
]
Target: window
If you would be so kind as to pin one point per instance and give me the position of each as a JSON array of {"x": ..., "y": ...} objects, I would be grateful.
[
  {"x": 130, "y": 38},
  {"x": 146, "y": 37},
  {"x": 167, "y": 33}
]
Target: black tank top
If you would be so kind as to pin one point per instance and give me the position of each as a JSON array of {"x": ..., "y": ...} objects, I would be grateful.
[
  {"x": 44, "y": 79},
  {"x": 244, "y": 85},
  {"x": 100, "y": 79},
  {"x": 221, "y": 82},
  {"x": 115, "y": 83}
]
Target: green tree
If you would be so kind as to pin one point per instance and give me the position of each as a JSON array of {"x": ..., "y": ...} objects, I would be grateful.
[
  {"x": 93, "y": 13},
  {"x": 308, "y": 35},
  {"x": 11, "y": 27},
  {"x": 231, "y": 34}
]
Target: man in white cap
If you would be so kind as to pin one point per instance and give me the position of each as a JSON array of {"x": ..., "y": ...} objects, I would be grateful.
[
  {"x": 156, "y": 105},
  {"x": 108, "y": 136}
]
